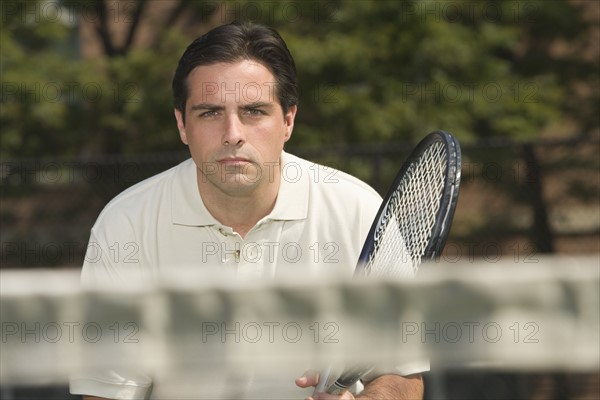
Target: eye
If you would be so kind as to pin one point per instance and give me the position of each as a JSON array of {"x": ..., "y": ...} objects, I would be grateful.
[
  {"x": 209, "y": 114},
  {"x": 254, "y": 112}
]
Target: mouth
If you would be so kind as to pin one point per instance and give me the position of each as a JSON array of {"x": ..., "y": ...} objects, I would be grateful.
[{"x": 233, "y": 160}]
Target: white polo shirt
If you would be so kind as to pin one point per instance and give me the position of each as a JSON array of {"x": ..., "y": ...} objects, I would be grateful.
[
  {"x": 319, "y": 221},
  {"x": 318, "y": 224}
]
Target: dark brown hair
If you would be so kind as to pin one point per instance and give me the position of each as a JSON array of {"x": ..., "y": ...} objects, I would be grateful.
[{"x": 235, "y": 42}]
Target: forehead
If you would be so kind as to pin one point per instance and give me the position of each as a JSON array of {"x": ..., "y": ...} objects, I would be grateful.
[{"x": 242, "y": 81}]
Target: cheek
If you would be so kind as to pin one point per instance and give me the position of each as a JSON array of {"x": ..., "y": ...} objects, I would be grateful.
[
  {"x": 199, "y": 134},
  {"x": 201, "y": 143},
  {"x": 272, "y": 136}
]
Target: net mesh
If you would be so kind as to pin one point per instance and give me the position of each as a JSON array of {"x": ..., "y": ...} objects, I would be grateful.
[
  {"x": 406, "y": 225},
  {"x": 218, "y": 341}
]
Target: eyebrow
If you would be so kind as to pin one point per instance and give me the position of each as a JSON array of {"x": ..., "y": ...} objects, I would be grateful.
[
  {"x": 258, "y": 104},
  {"x": 210, "y": 106},
  {"x": 206, "y": 106}
]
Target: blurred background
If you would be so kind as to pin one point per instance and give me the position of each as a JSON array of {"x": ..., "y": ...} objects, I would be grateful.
[{"x": 86, "y": 111}]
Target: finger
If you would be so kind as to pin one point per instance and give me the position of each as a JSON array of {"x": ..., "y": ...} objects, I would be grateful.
[
  {"x": 326, "y": 396},
  {"x": 347, "y": 396},
  {"x": 310, "y": 378}
]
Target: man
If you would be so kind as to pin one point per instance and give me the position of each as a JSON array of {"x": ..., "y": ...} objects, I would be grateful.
[{"x": 241, "y": 202}]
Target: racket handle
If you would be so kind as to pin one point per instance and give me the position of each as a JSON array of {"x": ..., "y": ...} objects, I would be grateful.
[
  {"x": 348, "y": 378},
  {"x": 339, "y": 388}
]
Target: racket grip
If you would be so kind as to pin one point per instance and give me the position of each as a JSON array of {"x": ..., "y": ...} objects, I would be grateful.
[
  {"x": 348, "y": 378},
  {"x": 339, "y": 387}
]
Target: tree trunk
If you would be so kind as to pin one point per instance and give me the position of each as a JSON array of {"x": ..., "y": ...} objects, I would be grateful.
[{"x": 541, "y": 232}]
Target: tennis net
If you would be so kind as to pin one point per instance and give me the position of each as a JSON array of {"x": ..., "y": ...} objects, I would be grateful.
[{"x": 202, "y": 330}]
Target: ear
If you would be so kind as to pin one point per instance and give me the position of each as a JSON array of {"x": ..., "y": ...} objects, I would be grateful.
[
  {"x": 288, "y": 121},
  {"x": 181, "y": 126}
]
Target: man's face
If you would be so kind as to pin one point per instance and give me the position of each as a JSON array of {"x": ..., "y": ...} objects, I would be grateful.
[{"x": 234, "y": 126}]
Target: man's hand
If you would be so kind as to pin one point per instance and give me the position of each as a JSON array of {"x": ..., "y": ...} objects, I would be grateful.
[
  {"x": 311, "y": 378},
  {"x": 393, "y": 387}
]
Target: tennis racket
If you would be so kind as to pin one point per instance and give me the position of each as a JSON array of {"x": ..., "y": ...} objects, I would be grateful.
[{"x": 412, "y": 223}]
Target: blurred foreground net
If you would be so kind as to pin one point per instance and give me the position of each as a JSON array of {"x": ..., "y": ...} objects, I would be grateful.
[{"x": 204, "y": 334}]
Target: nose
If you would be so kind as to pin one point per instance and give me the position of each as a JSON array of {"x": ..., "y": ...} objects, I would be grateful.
[{"x": 233, "y": 132}]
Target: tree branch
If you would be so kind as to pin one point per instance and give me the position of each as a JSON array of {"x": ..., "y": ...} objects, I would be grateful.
[
  {"x": 133, "y": 27},
  {"x": 102, "y": 28}
]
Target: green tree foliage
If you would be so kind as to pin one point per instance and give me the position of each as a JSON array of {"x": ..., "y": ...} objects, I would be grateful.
[
  {"x": 370, "y": 71},
  {"x": 57, "y": 103},
  {"x": 388, "y": 70}
]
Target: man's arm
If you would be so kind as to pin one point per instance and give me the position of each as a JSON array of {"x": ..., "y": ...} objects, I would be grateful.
[
  {"x": 394, "y": 387},
  {"x": 384, "y": 387}
]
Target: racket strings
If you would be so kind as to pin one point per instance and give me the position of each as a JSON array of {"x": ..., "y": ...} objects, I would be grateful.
[{"x": 406, "y": 226}]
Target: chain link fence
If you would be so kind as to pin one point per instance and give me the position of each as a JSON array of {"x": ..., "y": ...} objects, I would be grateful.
[{"x": 517, "y": 199}]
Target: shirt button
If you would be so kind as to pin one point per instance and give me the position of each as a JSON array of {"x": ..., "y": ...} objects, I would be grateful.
[
  {"x": 237, "y": 256},
  {"x": 222, "y": 231}
]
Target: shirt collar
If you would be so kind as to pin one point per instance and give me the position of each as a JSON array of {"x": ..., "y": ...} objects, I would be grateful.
[
  {"x": 186, "y": 203},
  {"x": 292, "y": 199},
  {"x": 291, "y": 204}
]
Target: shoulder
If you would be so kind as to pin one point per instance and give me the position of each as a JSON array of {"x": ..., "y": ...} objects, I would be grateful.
[
  {"x": 137, "y": 198},
  {"x": 331, "y": 181},
  {"x": 340, "y": 207}
]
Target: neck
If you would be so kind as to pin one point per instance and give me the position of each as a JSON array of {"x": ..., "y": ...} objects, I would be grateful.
[{"x": 240, "y": 211}]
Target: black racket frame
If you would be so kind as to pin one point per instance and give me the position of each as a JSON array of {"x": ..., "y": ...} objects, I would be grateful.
[{"x": 445, "y": 215}]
